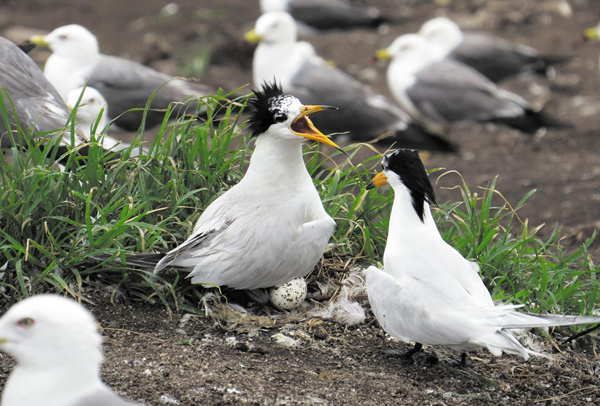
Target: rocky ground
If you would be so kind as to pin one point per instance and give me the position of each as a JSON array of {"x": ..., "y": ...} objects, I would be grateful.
[{"x": 158, "y": 358}]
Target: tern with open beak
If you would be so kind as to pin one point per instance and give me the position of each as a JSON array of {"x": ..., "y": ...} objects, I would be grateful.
[{"x": 271, "y": 227}]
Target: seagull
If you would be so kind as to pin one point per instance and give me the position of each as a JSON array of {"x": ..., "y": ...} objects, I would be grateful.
[
  {"x": 593, "y": 33},
  {"x": 428, "y": 293},
  {"x": 271, "y": 227},
  {"x": 327, "y": 14},
  {"x": 444, "y": 91},
  {"x": 304, "y": 74},
  {"x": 29, "y": 99},
  {"x": 58, "y": 351},
  {"x": 76, "y": 62},
  {"x": 494, "y": 57}
]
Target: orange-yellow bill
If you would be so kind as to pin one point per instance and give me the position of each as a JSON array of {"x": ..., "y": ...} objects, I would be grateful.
[
  {"x": 379, "y": 180},
  {"x": 303, "y": 127}
]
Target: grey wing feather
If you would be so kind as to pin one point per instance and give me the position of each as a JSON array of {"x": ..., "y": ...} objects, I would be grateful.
[
  {"x": 496, "y": 58},
  {"x": 320, "y": 84},
  {"x": 126, "y": 85},
  {"x": 448, "y": 91},
  {"x": 362, "y": 112},
  {"x": 328, "y": 14},
  {"x": 186, "y": 250},
  {"x": 36, "y": 102}
]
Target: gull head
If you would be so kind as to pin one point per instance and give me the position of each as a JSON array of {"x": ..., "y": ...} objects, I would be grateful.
[
  {"x": 442, "y": 34},
  {"x": 267, "y": 6},
  {"x": 407, "y": 48},
  {"x": 274, "y": 27},
  {"x": 283, "y": 116},
  {"x": 592, "y": 33},
  {"x": 48, "y": 330},
  {"x": 69, "y": 41},
  {"x": 404, "y": 171},
  {"x": 90, "y": 103}
]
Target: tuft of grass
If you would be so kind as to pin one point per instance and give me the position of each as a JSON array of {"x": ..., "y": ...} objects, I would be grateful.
[
  {"x": 148, "y": 200},
  {"x": 517, "y": 265}
]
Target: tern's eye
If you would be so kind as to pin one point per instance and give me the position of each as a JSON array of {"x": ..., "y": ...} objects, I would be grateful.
[
  {"x": 62, "y": 37},
  {"x": 26, "y": 322},
  {"x": 280, "y": 118}
]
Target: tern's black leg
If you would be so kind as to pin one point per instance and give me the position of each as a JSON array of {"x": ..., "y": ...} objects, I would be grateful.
[
  {"x": 463, "y": 360},
  {"x": 417, "y": 348}
]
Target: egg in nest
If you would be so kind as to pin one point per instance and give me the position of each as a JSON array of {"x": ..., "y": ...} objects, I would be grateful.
[{"x": 289, "y": 295}]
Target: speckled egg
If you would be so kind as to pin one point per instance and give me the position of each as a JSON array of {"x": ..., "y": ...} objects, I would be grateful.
[{"x": 289, "y": 295}]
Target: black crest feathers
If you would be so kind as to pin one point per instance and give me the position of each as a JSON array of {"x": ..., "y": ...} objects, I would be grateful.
[
  {"x": 408, "y": 166},
  {"x": 261, "y": 114}
]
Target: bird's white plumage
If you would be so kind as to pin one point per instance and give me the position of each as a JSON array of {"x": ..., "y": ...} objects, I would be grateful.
[
  {"x": 269, "y": 228},
  {"x": 58, "y": 351},
  {"x": 279, "y": 55},
  {"x": 430, "y": 294},
  {"x": 75, "y": 53},
  {"x": 442, "y": 34}
]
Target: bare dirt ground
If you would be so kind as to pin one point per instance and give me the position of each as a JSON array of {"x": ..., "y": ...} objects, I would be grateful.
[{"x": 157, "y": 359}]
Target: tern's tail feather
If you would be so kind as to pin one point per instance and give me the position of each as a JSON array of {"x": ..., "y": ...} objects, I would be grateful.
[
  {"x": 146, "y": 261},
  {"x": 515, "y": 320}
]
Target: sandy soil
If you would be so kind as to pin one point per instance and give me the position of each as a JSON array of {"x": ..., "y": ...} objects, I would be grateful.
[{"x": 159, "y": 359}]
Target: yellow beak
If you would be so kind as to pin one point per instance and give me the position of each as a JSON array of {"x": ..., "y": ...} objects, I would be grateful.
[
  {"x": 379, "y": 180},
  {"x": 39, "y": 40},
  {"x": 252, "y": 37},
  {"x": 592, "y": 33},
  {"x": 383, "y": 54},
  {"x": 3, "y": 340},
  {"x": 303, "y": 127}
]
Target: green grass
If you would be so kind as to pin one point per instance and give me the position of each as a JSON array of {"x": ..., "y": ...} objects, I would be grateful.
[{"x": 51, "y": 221}]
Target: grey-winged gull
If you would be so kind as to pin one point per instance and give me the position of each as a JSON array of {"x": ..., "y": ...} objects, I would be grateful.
[
  {"x": 445, "y": 91},
  {"x": 304, "y": 74},
  {"x": 29, "y": 99},
  {"x": 77, "y": 61},
  {"x": 327, "y": 14},
  {"x": 58, "y": 351},
  {"x": 494, "y": 57}
]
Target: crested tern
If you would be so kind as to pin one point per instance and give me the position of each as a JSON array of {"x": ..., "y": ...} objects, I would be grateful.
[
  {"x": 428, "y": 293},
  {"x": 269, "y": 228}
]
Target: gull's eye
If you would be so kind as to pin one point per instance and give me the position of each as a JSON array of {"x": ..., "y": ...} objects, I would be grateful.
[
  {"x": 280, "y": 118},
  {"x": 92, "y": 100},
  {"x": 26, "y": 322},
  {"x": 62, "y": 37}
]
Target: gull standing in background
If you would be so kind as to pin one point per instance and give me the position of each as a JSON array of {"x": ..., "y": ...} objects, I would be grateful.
[
  {"x": 76, "y": 61},
  {"x": 428, "y": 293},
  {"x": 271, "y": 227},
  {"x": 445, "y": 91},
  {"x": 91, "y": 113},
  {"x": 305, "y": 75},
  {"x": 58, "y": 351},
  {"x": 494, "y": 57},
  {"x": 326, "y": 14},
  {"x": 37, "y": 105}
]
